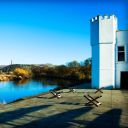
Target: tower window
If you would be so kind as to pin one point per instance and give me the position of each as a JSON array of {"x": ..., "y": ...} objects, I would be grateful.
[{"x": 121, "y": 53}]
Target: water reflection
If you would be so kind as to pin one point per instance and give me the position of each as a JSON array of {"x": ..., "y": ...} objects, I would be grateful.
[
  {"x": 21, "y": 82},
  {"x": 53, "y": 81},
  {"x": 13, "y": 90}
]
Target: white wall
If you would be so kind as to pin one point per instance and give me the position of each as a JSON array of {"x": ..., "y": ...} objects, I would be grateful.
[
  {"x": 106, "y": 79},
  {"x": 107, "y": 69},
  {"x": 103, "y": 33},
  {"x": 107, "y": 29},
  {"x": 95, "y": 66},
  {"x": 122, "y": 40}
]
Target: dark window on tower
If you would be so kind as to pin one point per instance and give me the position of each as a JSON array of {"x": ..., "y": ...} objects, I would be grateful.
[{"x": 121, "y": 53}]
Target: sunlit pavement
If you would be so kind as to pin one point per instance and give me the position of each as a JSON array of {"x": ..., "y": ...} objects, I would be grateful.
[{"x": 42, "y": 111}]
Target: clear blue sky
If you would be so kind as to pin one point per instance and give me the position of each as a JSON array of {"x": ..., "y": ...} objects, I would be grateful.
[{"x": 39, "y": 32}]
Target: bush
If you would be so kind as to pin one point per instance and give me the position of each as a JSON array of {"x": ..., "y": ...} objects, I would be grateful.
[
  {"x": 7, "y": 72},
  {"x": 20, "y": 72},
  {"x": 1, "y": 72},
  {"x": 74, "y": 74},
  {"x": 81, "y": 75},
  {"x": 28, "y": 70},
  {"x": 36, "y": 71},
  {"x": 10, "y": 73}
]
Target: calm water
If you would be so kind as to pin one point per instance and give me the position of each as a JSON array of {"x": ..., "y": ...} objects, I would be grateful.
[{"x": 13, "y": 90}]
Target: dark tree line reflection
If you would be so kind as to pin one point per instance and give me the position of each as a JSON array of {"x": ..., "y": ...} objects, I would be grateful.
[{"x": 45, "y": 81}]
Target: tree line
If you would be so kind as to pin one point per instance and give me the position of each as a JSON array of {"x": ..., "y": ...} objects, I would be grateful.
[{"x": 73, "y": 70}]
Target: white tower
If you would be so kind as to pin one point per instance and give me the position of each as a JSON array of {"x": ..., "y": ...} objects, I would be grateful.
[{"x": 103, "y": 39}]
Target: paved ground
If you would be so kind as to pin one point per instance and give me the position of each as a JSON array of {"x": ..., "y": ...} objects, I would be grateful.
[{"x": 42, "y": 111}]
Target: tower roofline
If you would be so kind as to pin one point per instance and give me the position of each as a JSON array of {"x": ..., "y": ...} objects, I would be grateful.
[{"x": 101, "y": 17}]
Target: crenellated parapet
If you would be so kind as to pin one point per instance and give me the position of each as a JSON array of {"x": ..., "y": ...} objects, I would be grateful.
[
  {"x": 100, "y": 17},
  {"x": 103, "y": 29}
]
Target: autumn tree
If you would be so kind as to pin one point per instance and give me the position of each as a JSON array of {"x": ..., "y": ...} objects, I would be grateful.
[
  {"x": 62, "y": 71},
  {"x": 88, "y": 62},
  {"x": 81, "y": 75},
  {"x": 81, "y": 63},
  {"x": 50, "y": 71},
  {"x": 86, "y": 70},
  {"x": 69, "y": 71},
  {"x": 44, "y": 69},
  {"x": 28, "y": 70},
  {"x": 36, "y": 71},
  {"x": 74, "y": 64},
  {"x": 0, "y": 71},
  {"x": 20, "y": 72},
  {"x": 74, "y": 74}
]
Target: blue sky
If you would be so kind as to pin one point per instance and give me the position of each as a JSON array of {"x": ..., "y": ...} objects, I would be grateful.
[{"x": 39, "y": 32}]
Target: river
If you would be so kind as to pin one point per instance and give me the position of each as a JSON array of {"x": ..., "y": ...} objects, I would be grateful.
[{"x": 13, "y": 90}]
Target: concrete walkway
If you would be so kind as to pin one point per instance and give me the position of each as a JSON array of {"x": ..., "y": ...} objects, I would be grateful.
[{"x": 41, "y": 111}]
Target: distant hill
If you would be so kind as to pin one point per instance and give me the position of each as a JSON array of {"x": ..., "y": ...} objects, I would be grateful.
[
  {"x": 2, "y": 66},
  {"x": 8, "y": 68},
  {"x": 12, "y": 67},
  {"x": 47, "y": 64}
]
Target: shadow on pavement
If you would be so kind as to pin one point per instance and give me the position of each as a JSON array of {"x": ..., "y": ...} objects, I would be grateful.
[
  {"x": 99, "y": 120},
  {"x": 57, "y": 117},
  {"x": 17, "y": 114}
]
